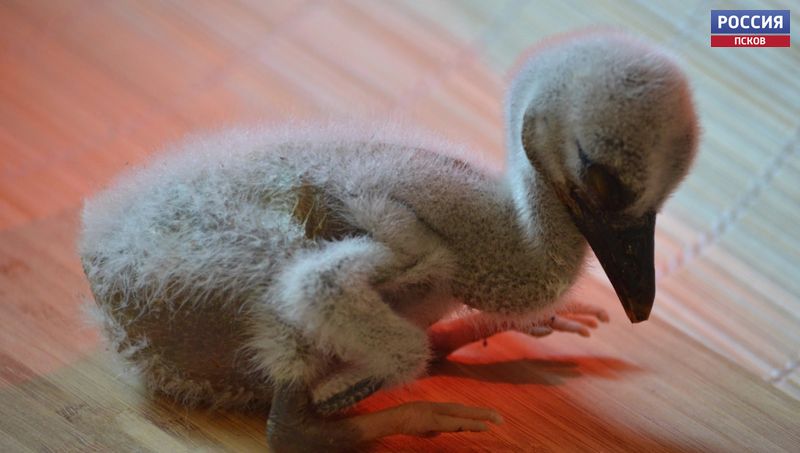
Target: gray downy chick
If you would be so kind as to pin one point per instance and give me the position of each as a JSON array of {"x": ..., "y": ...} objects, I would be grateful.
[{"x": 304, "y": 268}]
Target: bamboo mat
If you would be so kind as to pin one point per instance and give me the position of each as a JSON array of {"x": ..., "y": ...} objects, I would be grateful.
[{"x": 89, "y": 88}]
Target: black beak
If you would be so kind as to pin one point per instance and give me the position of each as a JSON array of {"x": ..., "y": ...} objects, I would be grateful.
[
  {"x": 624, "y": 245},
  {"x": 626, "y": 254}
]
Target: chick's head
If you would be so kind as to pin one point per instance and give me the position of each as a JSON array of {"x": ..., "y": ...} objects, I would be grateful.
[{"x": 610, "y": 124}]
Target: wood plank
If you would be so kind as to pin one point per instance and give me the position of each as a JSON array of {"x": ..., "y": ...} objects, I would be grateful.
[{"x": 89, "y": 89}]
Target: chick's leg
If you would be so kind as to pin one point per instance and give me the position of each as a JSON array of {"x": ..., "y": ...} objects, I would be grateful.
[
  {"x": 294, "y": 426},
  {"x": 448, "y": 336},
  {"x": 328, "y": 294}
]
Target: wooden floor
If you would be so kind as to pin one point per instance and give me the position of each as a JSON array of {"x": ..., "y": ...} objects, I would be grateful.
[{"x": 89, "y": 88}]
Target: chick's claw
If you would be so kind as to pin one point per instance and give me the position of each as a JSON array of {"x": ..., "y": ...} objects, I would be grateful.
[
  {"x": 539, "y": 330},
  {"x": 579, "y": 319},
  {"x": 588, "y": 310},
  {"x": 426, "y": 419},
  {"x": 564, "y": 324}
]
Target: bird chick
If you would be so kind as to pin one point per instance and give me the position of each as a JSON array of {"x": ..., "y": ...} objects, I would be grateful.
[{"x": 305, "y": 268}]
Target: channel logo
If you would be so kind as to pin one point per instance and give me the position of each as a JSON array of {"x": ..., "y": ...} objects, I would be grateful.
[{"x": 750, "y": 28}]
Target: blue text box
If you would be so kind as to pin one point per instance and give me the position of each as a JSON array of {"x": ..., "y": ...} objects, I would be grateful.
[{"x": 750, "y": 21}]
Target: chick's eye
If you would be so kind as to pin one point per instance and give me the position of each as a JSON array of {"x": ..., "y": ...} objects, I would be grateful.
[{"x": 606, "y": 189}]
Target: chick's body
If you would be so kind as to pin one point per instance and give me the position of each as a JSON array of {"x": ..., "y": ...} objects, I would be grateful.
[
  {"x": 201, "y": 263},
  {"x": 306, "y": 268}
]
